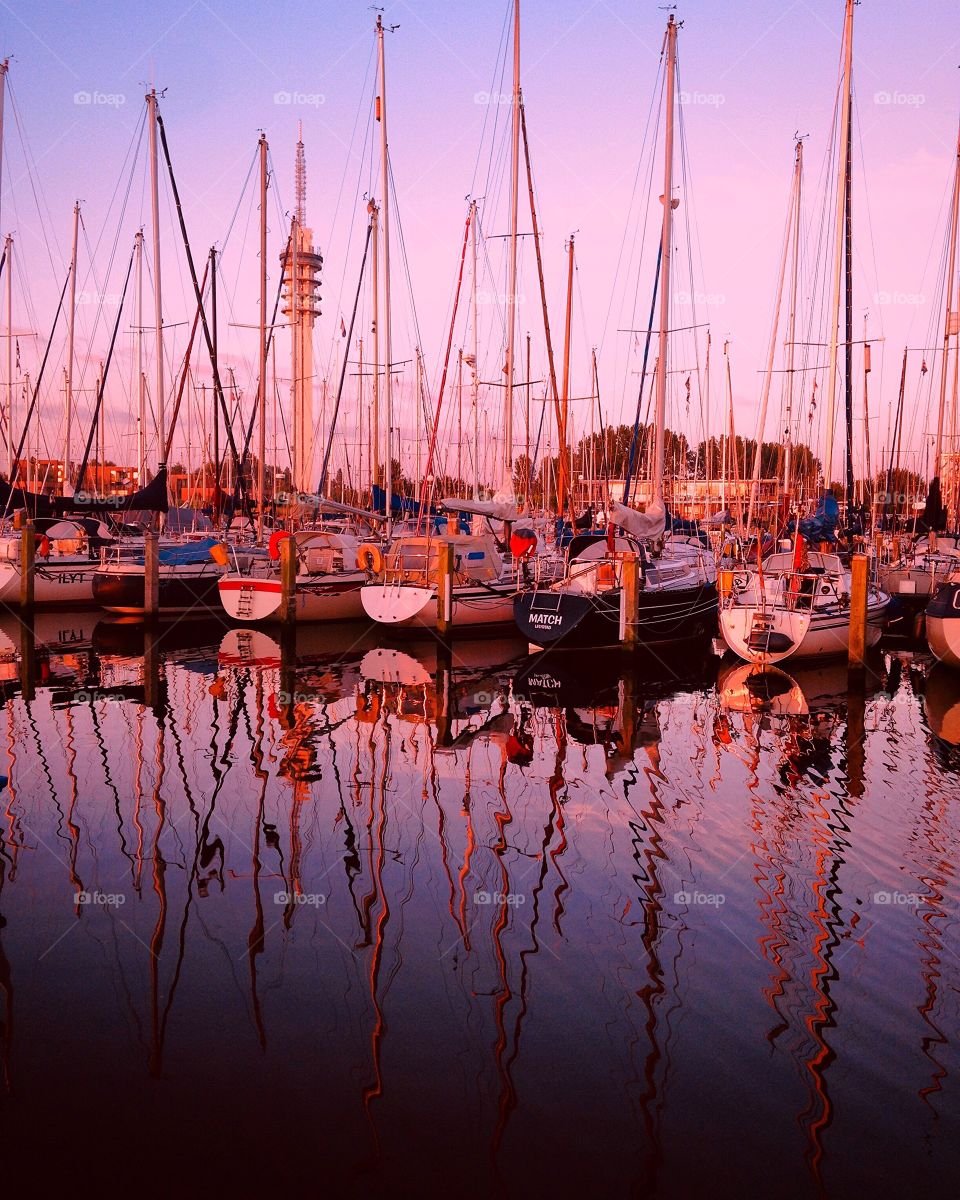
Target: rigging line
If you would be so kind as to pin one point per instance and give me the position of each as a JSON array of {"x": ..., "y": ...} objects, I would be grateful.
[
  {"x": 239, "y": 481},
  {"x": 343, "y": 369},
  {"x": 270, "y": 331},
  {"x": 36, "y": 387},
  {"x": 653, "y": 107},
  {"x": 500, "y": 63},
  {"x": 103, "y": 377},
  {"x": 31, "y": 167}
]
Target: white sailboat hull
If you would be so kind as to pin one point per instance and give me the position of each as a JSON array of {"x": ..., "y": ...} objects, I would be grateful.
[
  {"x": 408, "y": 605},
  {"x": 810, "y": 633},
  {"x": 65, "y": 580},
  {"x": 326, "y": 598}
]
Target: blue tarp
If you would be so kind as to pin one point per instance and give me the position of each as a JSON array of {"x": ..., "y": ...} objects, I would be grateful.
[
  {"x": 186, "y": 555},
  {"x": 822, "y": 526}
]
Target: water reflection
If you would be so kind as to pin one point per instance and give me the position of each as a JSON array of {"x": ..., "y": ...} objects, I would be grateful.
[{"x": 527, "y": 922}]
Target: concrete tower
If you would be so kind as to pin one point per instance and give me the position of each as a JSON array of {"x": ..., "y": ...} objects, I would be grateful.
[{"x": 301, "y": 265}]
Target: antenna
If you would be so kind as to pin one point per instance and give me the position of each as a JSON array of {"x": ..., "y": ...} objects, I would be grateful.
[{"x": 300, "y": 177}]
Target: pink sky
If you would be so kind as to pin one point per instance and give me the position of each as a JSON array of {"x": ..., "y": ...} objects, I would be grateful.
[{"x": 753, "y": 74}]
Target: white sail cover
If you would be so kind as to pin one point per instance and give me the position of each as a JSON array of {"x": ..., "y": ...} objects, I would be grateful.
[
  {"x": 499, "y": 510},
  {"x": 649, "y": 524}
]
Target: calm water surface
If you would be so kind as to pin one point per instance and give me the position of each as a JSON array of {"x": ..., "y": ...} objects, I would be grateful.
[{"x": 341, "y": 916}]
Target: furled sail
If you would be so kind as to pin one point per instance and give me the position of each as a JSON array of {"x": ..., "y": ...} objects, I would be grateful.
[{"x": 649, "y": 524}]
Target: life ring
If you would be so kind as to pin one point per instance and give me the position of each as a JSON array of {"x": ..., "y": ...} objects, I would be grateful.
[
  {"x": 370, "y": 558},
  {"x": 43, "y": 549},
  {"x": 276, "y": 538}
]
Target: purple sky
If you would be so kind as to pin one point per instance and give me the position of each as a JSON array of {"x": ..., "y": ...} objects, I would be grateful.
[{"x": 753, "y": 74}]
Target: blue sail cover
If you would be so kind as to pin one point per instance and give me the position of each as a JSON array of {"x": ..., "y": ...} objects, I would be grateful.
[
  {"x": 189, "y": 554},
  {"x": 822, "y": 526}
]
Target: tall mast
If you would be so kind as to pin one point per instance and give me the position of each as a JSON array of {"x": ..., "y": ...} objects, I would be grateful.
[
  {"x": 387, "y": 330},
  {"x": 565, "y": 395},
  {"x": 842, "y": 175},
  {"x": 792, "y": 323},
  {"x": 8, "y": 249},
  {"x": 948, "y": 326},
  {"x": 848, "y": 309},
  {"x": 141, "y": 392},
  {"x": 375, "y": 331},
  {"x": 68, "y": 414},
  {"x": 262, "y": 387},
  {"x": 476, "y": 366},
  {"x": 157, "y": 295},
  {"x": 4, "y": 67},
  {"x": 216, "y": 406},
  {"x": 867, "y": 478},
  {"x": 666, "y": 253},
  {"x": 772, "y": 348},
  {"x": 512, "y": 287}
]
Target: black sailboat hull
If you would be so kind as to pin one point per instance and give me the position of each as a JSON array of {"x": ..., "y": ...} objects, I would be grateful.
[
  {"x": 124, "y": 593},
  {"x": 553, "y": 618}
]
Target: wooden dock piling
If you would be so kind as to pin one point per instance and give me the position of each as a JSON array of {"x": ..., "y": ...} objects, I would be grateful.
[
  {"x": 28, "y": 555},
  {"x": 445, "y": 587},
  {"x": 629, "y": 599},
  {"x": 151, "y": 576},
  {"x": 288, "y": 580},
  {"x": 857, "y": 651}
]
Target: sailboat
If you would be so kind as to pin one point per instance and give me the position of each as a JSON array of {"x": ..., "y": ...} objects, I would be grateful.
[
  {"x": 487, "y": 569},
  {"x": 933, "y": 557},
  {"x": 678, "y": 597},
  {"x": 796, "y": 603}
]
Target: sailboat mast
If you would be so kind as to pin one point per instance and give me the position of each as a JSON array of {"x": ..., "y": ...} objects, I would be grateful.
[
  {"x": 387, "y": 331},
  {"x": 848, "y": 309},
  {"x": 565, "y": 394},
  {"x": 375, "y": 332},
  {"x": 262, "y": 383},
  {"x": 792, "y": 325},
  {"x": 843, "y": 174},
  {"x": 4, "y": 67},
  {"x": 68, "y": 403},
  {"x": 772, "y": 350},
  {"x": 666, "y": 252},
  {"x": 8, "y": 250},
  {"x": 512, "y": 286},
  {"x": 141, "y": 396},
  {"x": 157, "y": 295},
  {"x": 947, "y": 325},
  {"x": 476, "y": 351}
]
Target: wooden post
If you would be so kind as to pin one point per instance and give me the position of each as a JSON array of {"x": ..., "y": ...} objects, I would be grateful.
[
  {"x": 288, "y": 580},
  {"x": 151, "y": 576},
  {"x": 28, "y": 554},
  {"x": 444, "y": 587},
  {"x": 857, "y": 653},
  {"x": 151, "y": 670},
  {"x": 629, "y": 599},
  {"x": 28, "y": 659}
]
